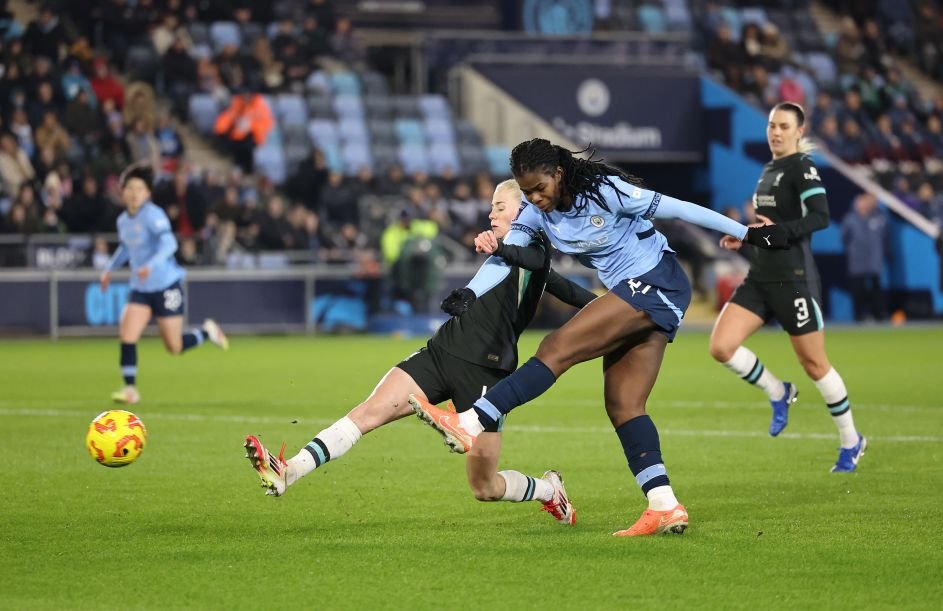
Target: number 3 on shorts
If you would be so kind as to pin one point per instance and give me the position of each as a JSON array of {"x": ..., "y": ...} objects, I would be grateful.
[
  {"x": 172, "y": 299},
  {"x": 802, "y": 311}
]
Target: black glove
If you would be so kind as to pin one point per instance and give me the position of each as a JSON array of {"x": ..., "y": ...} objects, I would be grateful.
[
  {"x": 768, "y": 237},
  {"x": 458, "y": 301}
]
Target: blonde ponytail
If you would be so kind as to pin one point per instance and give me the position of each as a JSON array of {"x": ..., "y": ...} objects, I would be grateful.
[{"x": 806, "y": 145}]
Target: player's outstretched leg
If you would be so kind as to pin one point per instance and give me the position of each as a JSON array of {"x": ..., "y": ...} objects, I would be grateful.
[
  {"x": 129, "y": 370},
  {"x": 447, "y": 423},
  {"x": 272, "y": 470},
  {"x": 559, "y": 505},
  {"x": 215, "y": 334},
  {"x": 848, "y": 457},
  {"x": 658, "y": 523},
  {"x": 781, "y": 408}
]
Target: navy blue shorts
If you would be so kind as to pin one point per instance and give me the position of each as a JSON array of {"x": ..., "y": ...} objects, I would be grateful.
[
  {"x": 168, "y": 302},
  {"x": 664, "y": 293}
]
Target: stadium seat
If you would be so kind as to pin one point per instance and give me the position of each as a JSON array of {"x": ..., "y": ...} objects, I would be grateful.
[
  {"x": 323, "y": 132},
  {"x": 291, "y": 109},
  {"x": 754, "y": 14},
  {"x": 270, "y": 162},
  {"x": 472, "y": 158},
  {"x": 201, "y": 51},
  {"x": 413, "y": 158},
  {"x": 385, "y": 156},
  {"x": 434, "y": 106},
  {"x": 652, "y": 19},
  {"x": 318, "y": 82},
  {"x": 378, "y": 106},
  {"x": 409, "y": 131},
  {"x": 498, "y": 160},
  {"x": 251, "y": 32},
  {"x": 353, "y": 130},
  {"x": 320, "y": 106},
  {"x": 349, "y": 106},
  {"x": 382, "y": 131},
  {"x": 467, "y": 133},
  {"x": 439, "y": 130},
  {"x": 203, "y": 111},
  {"x": 224, "y": 33},
  {"x": 332, "y": 156},
  {"x": 406, "y": 107},
  {"x": 823, "y": 67},
  {"x": 356, "y": 155},
  {"x": 199, "y": 32},
  {"x": 345, "y": 83},
  {"x": 442, "y": 157}
]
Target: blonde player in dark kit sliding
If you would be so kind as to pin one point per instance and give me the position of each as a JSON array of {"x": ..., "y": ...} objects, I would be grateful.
[
  {"x": 471, "y": 352},
  {"x": 784, "y": 285}
]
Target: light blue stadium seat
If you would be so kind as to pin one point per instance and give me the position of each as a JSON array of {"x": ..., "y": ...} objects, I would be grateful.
[
  {"x": 732, "y": 18},
  {"x": 652, "y": 19},
  {"x": 413, "y": 158},
  {"x": 356, "y": 155},
  {"x": 332, "y": 156},
  {"x": 823, "y": 67},
  {"x": 349, "y": 106},
  {"x": 323, "y": 132},
  {"x": 442, "y": 157},
  {"x": 678, "y": 17},
  {"x": 345, "y": 83},
  {"x": 270, "y": 161},
  {"x": 434, "y": 106},
  {"x": 472, "y": 159},
  {"x": 203, "y": 112},
  {"x": 498, "y": 160},
  {"x": 754, "y": 14},
  {"x": 291, "y": 109},
  {"x": 409, "y": 131},
  {"x": 439, "y": 130},
  {"x": 201, "y": 51},
  {"x": 318, "y": 82},
  {"x": 224, "y": 33},
  {"x": 353, "y": 130}
]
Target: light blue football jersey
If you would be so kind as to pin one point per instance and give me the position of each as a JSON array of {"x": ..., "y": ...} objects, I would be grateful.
[
  {"x": 619, "y": 244},
  {"x": 146, "y": 239}
]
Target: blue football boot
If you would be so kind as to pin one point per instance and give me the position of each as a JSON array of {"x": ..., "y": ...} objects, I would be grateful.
[
  {"x": 781, "y": 409},
  {"x": 848, "y": 457}
]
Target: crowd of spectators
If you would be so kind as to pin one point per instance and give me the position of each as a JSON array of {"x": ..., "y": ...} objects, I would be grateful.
[{"x": 865, "y": 111}]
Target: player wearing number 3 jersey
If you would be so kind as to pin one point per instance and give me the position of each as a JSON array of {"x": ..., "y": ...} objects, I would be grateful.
[
  {"x": 784, "y": 285},
  {"x": 148, "y": 245}
]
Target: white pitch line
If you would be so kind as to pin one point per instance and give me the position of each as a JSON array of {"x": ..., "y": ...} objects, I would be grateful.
[{"x": 592, "y": 430}]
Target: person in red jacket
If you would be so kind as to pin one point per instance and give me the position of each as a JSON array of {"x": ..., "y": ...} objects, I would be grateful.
[
  {"x": 244, "y": 126},
  {"x": 106, "y": 86}
]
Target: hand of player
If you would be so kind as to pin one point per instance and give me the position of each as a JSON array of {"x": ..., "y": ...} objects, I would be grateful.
[
  {"x": 729, "y": 242},
  {"x": 104, "y": 281},
  {"x": 766, "y": 234},
  {"x": 143, "y": 273},
  {"x": 486, "y": 242},
  {"x": 458, "y": 301}
]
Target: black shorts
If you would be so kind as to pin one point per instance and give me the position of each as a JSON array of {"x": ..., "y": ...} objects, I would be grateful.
[
  {"x": 168, "y": 302},
  {"x": 794, "y": 305},
  {"x": 443, "y": 376}
]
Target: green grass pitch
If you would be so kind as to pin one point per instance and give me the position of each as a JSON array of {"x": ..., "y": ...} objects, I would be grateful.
[{"x": 393, "y": 525}]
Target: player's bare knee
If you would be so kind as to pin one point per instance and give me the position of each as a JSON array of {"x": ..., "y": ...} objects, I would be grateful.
[
  {"x": 815, "y": 369},
  {"x": 721, "y": 351},
  {"x": 484, "y": 490}
]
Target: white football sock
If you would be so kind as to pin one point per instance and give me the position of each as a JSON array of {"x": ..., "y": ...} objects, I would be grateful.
[
  {"x": 520, "y": 487},
  {"x": 661, "y": 498},
  {"x": 337, "y": 439},
  {"x": 470, "y": 422},
  {"x": 746, "y": 365},
  {"x": 832, "y": 389}
]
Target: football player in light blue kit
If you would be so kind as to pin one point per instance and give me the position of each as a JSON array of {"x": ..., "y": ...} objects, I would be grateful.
[
  {"x": 148, "y": 244},
  {"x": 601, "y": 216}
]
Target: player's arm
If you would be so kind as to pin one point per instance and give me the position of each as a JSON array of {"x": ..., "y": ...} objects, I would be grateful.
[
  {"x": 814, "y": 202},
  {"x": 767, "y": 236},
  {"x": 118, "y": 258},
  {"x": 568, "y": 291},
  {"x": 523, "y": 231},
  {"x": 531, "y": 257},
  {"x": 166, "y": 242}
]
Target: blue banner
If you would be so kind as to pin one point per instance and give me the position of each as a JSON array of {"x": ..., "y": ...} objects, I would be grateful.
[{"x": 626, "y": 113}]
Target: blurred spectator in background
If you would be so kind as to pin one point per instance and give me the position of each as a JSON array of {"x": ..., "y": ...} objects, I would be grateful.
[
  {"x": 864, "y": 232},
  {"x": 306, "y": 183},
  {"x": 275, "y": 232},
  {"x": 244, "y": 126},
  {"x": 169, "y": 143},
  {"x": 142, "y": 145},
  {"x": 84, "y": 123},
  {"x": 83, "y": 211},
  {"x": 106, "y": 86},
  {"x": 50, "y": 134},
  {"x": 410, "y": 251},
  {"x": 15, "y": 166},
  {"x": 183, "y": 201}
]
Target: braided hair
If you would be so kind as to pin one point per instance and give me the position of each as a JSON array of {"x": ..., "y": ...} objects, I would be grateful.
[{"x": 580, "y": 176}]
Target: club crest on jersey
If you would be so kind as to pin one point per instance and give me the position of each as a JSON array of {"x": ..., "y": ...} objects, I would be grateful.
[
  {"x": 778, "y": 178},
  {"x": 597, "y": 220},
  {"x": 812, "y": 174}
]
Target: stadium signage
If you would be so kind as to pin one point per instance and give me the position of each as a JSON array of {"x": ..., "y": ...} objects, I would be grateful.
[{"x": 627, "y": 113}]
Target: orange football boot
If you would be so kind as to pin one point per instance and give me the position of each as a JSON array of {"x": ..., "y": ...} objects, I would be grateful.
[{"x": 658, "y": 522}]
